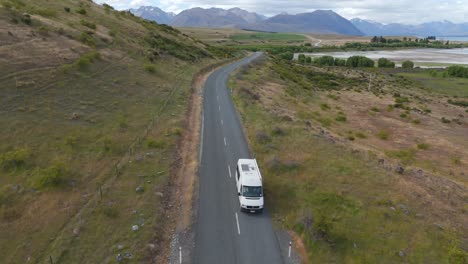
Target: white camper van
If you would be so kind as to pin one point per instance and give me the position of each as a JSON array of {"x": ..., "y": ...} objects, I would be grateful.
[{"x": 249, "y": 185}]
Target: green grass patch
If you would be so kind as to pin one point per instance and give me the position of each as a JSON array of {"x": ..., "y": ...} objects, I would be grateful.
[
  {"x": 88, "y": 24},
  {"x": 450, "y": 86},
  {"x": 406, "y": 156},
  {"x": 265, "y": 36}
]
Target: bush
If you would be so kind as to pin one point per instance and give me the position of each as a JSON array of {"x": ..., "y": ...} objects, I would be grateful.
[
  {"x": 157, "y": 144},
  {"x": 325, "y": 61},
  {"x": 457, "y": 71},
  {"x": 81, "y": 11},
  {"x": 110, "y": 212},
  {"x": 87, "y": 59},
  {"x": 423, "y": 146},
  {"x": 385, "y": 63},
  {"x": 87, "y": 38},
  {"x": 14, "y": 159},
  {"x": 67, "y": 9},
  {"x": 88, "y": 24},
  {"x": 407, "y": 65},
  {"x": 340, "y": 62},
  {"x": 341, "y": 118},
  {"x": 324, "y": 107},
  {"x": 50, "y": 177},
  {"x": 458, "y": 103},
  {"x": 359, "y": 61},
  {"x": 26, "y": 18},
  {"x": 445, "y": 120},
  {"x": 301, "y": 58},
  {"x": 150, "y": 68},
  {"x": 361, "y": 135},
  {"x": 384, "y": 135}
]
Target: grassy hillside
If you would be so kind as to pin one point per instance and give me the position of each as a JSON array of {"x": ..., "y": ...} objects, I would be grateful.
[
  {"x": 92, "y": 103},
  {"x": 362, "y": 174}
]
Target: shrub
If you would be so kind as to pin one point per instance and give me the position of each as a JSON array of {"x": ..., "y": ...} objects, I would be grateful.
[
  {"x": 416, "y": 121},
  {"x": 324, "y": 107},
  {"x": 85, "y": 60},
  {"x": 278, "y": 131},
  {"x": 157, "y": 144},
  {"x": 14, "y": 159},
  {"x": 456, "y": 160},
  {"x": 341, "y": 118},
  {"x": 325, "y": 61},
  {"x": 50, "y": 177},
  {"x": 384, "y": 135},
  {"x": 113, "y": 33},
  {"x": 87, "y": 38},
  {"x": 26, "y": 18},
  {"x": 88, "y": 24},
  {"x": 458, "y": 103},
  {"x": 359, "y": 61},
  {"x": 67, "y": 9},
  {"x": 340, "y": 62},
  {"x": 385, "y": 63},
  {"x": 151, "y": 68},
  {"x": 375, "y": 109},
  {"x": 361, "y": 135},
  {"x": 445, "y": 120},
  {"x": 262, "y": 137},
  {"x": 110, "y": 212},
  {"x": 407, "y": 65},
  {"x": 457, "y": 71},
  {"x": 81, "y": 11},
  {"x": 423, "y": 146},
  {"x": 301, "y": 58}
]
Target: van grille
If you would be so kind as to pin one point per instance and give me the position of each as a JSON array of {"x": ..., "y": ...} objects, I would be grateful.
[{"x": 253, "y": 207}]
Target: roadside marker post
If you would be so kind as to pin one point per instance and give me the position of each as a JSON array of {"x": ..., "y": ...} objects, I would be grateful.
[
  {"x": 180, "y": 255},
  {"x": 289, "y": 251}
]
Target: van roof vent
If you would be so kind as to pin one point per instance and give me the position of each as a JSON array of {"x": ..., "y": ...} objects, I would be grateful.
[{"x": 245, "y": 167}]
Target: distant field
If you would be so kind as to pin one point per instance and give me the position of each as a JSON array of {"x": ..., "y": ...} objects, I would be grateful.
[
  {"x": 438, "y": 84},
  {"x": 234, "y": 37},
  {"x": 265, "y": 36}
]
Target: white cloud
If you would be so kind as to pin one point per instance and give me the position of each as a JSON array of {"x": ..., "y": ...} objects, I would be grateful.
[{"x": 395, "y": 11}]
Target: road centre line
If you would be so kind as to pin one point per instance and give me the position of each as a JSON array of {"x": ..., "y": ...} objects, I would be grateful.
[
  {"x": 238, "y": 227},
  {"x": 229, "y": 168},
  {"x": 225, "y": 143}
]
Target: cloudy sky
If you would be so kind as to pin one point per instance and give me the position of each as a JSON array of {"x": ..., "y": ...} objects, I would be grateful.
[{"x": 400, "y": 11}]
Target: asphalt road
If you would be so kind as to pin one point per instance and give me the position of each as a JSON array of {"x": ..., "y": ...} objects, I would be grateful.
[{"x": 223, "y": 234}]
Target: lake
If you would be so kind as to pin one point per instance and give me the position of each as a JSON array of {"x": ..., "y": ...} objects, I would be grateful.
[{"x": 421, "y": 57}]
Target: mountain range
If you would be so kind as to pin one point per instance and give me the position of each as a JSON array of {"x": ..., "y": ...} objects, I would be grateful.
[
  {"x": 154, "y": 14},
  {"x": 442, "y": 28},
  {"x": 319, "y": 21}
]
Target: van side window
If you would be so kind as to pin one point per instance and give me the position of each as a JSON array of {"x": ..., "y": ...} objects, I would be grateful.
[{"x": 237, "y": 172}]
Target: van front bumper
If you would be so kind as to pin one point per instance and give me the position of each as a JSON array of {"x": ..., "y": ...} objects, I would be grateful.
[{"x": 252, "y": 208}]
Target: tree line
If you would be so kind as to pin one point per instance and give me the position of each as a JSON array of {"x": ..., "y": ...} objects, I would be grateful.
[{"x": 352, "y": 62}]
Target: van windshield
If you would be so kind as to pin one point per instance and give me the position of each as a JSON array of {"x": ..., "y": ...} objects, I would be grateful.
[{"x": 252, "y": 191}]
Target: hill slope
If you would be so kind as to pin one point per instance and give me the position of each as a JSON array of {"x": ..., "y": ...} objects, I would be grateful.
[
  {"x": 320, "y": 21},
  {"x": 91, "y": 109}
]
